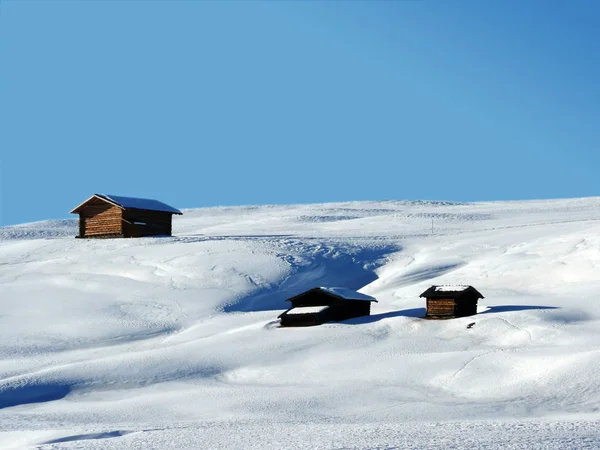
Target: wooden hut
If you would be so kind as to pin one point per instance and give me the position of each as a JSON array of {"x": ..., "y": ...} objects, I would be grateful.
[
  {"x": 323, "y": 304},
  {"x": 109, "y": 216},
  {"x": 447, "y": 302}
]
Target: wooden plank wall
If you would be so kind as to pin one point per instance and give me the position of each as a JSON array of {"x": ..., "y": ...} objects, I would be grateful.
[
  {"x": 440, "y": 307},
  {"x": 101, "y": 218},
  {"x": 158, "y": 222},
  {"x": 348, "y": 309}
]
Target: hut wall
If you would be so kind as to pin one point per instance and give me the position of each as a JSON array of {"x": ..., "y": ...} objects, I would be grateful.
[
  {"x": 350, "y": 309},
  {"x": 339, "y": 309},
  {"x": 466, "y": 307},
  {"x": 304, "y": 320},
  {"x": 99, "y": 218},
  {"x": 440, "y": 307},
  {"x": 449, "y": 308},
  {"x": 155, "y": 223},
  {"x": 315, "y": 298}
]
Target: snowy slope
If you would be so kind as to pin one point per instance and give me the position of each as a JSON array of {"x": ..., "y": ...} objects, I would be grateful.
[{"x": 172, "y": 342}]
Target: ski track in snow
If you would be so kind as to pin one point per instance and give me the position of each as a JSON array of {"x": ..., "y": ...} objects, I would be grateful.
[{"x": 174, "y": 343}]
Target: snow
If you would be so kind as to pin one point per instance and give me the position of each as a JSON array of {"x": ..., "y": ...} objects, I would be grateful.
[
  {"x": 451, "y": 288},
  {"x": 173, "y": 343},
  {"x": 348, "y": 294},
  {"x": 306, "y": 310}
]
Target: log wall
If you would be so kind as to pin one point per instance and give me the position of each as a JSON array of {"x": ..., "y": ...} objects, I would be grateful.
[
  {"x": 154, "y": 223},
  {"x": 440, "y": 307},
  {"x": 98, "y": 218},
  {"x": 304, "y": 320}
]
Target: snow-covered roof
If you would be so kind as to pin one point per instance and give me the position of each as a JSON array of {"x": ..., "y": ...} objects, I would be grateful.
[
  {"x": 306, "y": 310},
  {"x": 451, "y": 291},
  {"x": 339, "y": 292},
  {"x": 347, "y": 294},
  {"x": 132, "y": 203},
  {"x": 451, "y": 288},
  {"x": 140, "y": 203}
]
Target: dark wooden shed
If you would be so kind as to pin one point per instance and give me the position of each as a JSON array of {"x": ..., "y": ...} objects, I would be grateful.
[
  {"x": 450, "y": 301},
  {"x": 111, "y": 216},
  {"x": 324, "y": 304}
]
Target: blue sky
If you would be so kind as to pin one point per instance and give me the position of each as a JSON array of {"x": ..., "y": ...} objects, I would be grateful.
[{"x": 252, "y": 102}]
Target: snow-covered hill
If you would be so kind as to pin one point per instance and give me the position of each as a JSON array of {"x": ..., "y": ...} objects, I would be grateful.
[{"x": 173, "y": 343}]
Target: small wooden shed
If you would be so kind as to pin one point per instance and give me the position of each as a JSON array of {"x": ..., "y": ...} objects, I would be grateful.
[
  {"x": 324, "y": 304},
  {"x": 450, "y": 301},
  {"x": 111, "y": 216}
]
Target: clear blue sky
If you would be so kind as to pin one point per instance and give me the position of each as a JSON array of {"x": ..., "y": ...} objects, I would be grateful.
[{"x": 201, "y": 103}]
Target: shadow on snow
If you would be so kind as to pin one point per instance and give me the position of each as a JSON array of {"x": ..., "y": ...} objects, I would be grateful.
[
  {"x": 352, "y": 268},
  {"x": 424, "y": 274},
  {"x": 413, "y": 312},
  {"x": 511, "y": 308},
  {"x": 420, "y": 313},
  {"x": 32, "y": 393},
  {"x": 90, "y": 436}
]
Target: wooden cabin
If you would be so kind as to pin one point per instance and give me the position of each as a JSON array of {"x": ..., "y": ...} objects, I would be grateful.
[
  {"x": 448, "y": 302},
  {"x": 112, "y": 216},
  {"x": 324, "y": 304}
]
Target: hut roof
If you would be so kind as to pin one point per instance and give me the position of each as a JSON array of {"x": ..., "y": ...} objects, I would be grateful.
[
  {"x": 340, "y": 292},
  {"x": 131, "y": 203},
  {"x": 450, "y": 291},
  {"x": 306, "y": 310}
]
